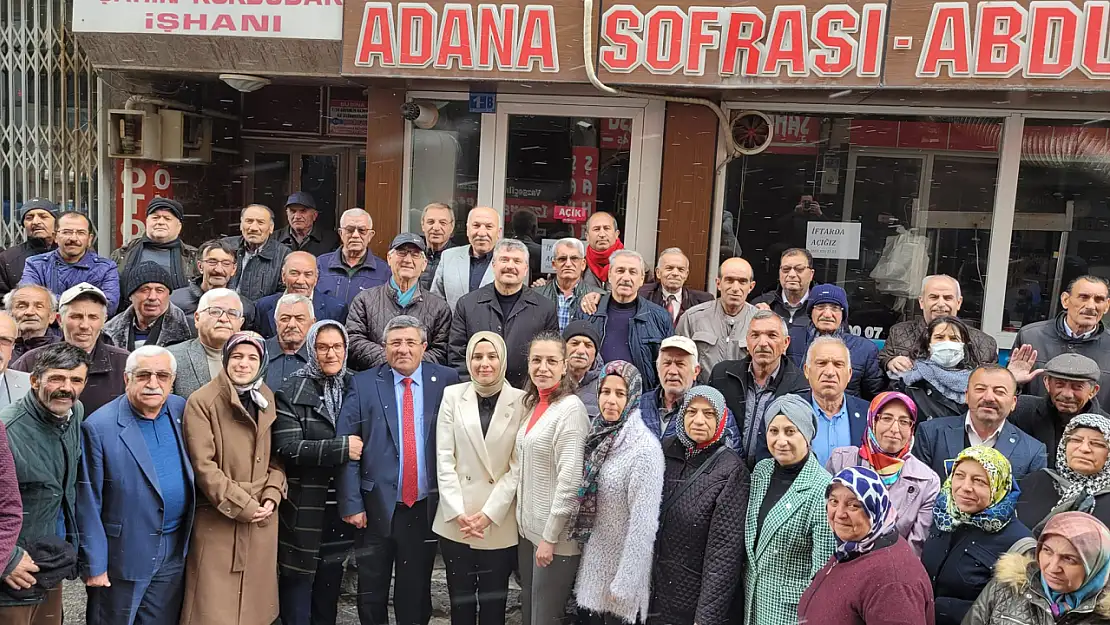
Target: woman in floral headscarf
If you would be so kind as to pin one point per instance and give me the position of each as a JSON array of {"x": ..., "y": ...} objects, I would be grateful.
[
  {"x": 910, "y": 483},
  {"x": 618, "y": 511},
  {"x": 974, "y": 522},
  {"x": 699, "y": 545},
  {"x": 873, "y": 576},
  {"x": 231, "y": 570},
  {"x": 1081, "y": 479},
  {"x": 1063, "y": 579}
]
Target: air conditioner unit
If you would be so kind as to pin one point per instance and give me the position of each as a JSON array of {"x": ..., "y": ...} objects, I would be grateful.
[
  {"x": 134, "y": 134},
  {"x": 186, "y": 137}
]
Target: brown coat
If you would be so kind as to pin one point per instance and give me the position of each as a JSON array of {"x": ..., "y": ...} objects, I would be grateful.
[{"x": 231, "y": 570}]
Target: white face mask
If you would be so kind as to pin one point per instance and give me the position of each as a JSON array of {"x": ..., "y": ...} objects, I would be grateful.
[{"x": 946, "y": 354}]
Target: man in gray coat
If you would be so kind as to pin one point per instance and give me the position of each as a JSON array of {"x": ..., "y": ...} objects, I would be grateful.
[
  {"x": 402, "y": 295},
  {"x": 13, "y": 384},
  {"x": 468, "y": 268},
  {"x": 150, "y": 318},
  {"x": 218, "y": 316},
  {"x": 719, "y": 327},
  {"x": 568, "y": 287}
]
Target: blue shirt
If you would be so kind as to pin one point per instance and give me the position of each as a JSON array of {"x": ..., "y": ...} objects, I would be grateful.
[
  {"x": 832, "y": 431},
  {"x": 418, "y": 422},
  {"x": 161, "y": 441}
]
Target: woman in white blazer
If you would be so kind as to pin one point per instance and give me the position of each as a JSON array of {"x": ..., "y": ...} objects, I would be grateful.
[
  {"x": 550, "y": 445},
  {"x": 478, "y": 471}
]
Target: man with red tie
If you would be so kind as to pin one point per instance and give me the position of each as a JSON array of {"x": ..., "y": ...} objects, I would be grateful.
[{"x": 390, "y": 495}]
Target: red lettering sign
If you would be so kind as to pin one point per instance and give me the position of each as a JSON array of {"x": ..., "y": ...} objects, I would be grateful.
[
  {"x": 571, "y": 214},
  {"x": 616, "y": 133},
  {"x": 148, "y": 180},
  {"x": 583, "y": 192}
]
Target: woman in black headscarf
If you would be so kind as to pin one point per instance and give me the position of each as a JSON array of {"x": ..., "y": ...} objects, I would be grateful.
[{"x": 312, "y": 539}]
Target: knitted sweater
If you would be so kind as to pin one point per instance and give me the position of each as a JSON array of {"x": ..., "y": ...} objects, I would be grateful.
[
  {"x": 615, "y": 574},
  {"x": 550, "y": 473}
]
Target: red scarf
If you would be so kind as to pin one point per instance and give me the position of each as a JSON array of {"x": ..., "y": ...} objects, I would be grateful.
[{"x": 599, "y": 261}]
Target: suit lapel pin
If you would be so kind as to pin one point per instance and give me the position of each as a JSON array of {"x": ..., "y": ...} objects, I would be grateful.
[{"x": 433, "y": 378}]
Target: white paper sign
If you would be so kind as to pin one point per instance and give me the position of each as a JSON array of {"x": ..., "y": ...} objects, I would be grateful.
[
  {"x": 289, "y": 19},
  {"x": 547, "y": 261},
  {"x": 834, "y": 239}
]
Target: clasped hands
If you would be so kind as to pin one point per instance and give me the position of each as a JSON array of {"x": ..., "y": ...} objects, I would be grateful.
[{"x": 474, "y": 525}]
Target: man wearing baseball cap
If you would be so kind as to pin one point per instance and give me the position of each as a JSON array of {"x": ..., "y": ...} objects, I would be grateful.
[
  {"x": 403, "y": 294},
  {"x": 828, "y": 312},
  {"x": 160, "y": 244},
  {"x": 302, "y": 235},
  {"x": 1072, "y": 384},
  {"x": 39, "y": 220},
  {"x": 150, "y": 318},
  {"x": 82, "y": 311}
]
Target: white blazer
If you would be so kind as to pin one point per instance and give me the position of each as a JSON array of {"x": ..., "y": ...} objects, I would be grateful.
[
  {"x": 478, "y": 473},
  {"x": 452, "y": 277}
]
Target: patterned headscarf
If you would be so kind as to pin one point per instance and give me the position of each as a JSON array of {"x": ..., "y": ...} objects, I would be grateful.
[
  {"x": 255, "y": 340},
  {"x": 868, "y": 487},
  {"x": 715, "y": 399},
  {"x": 334, "y": 386},
  {"x": 599, "y": 443},
  {"x": 888, "y": 466},
  {"x": 1092, "y": 540},
  {"x": 1004, "y": 494},
  {"x": 1079, "y": 485}
]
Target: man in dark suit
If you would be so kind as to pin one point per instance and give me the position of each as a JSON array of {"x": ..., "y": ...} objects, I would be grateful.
[
  {"x": 991, "y": 397},
  {"x": 299, "y": 275},
  {"x": 669, "y": 289},
  {"x": 390, "y": 494},
  {"x": 135, "y": 498}
]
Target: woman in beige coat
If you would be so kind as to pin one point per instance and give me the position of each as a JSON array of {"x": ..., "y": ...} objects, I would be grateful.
[
  {"x": 478, "y": 472},
  {"x": 231, "y": 569}
]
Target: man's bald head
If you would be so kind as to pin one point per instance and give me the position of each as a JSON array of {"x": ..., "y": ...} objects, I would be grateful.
[
  {"x": 601, "y": 231},
  {"x": 299, "y": 273},
  {"x": 483, "y": 229},
  {"x": 734, "y": 282}
]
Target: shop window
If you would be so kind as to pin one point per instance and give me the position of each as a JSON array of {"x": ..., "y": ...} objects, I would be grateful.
[
  {"x": 880, "y": 201},
  {"x": 1061, "y": 216},
  {"x": 445, "y": 164}
]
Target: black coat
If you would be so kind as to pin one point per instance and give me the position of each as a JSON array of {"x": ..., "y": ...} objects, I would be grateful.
[
  {"x": 1039, "y": 496},
  {"x": 14, "y": 258},
  {"x": 1038, "y": 417},
  {"x": 262, "y": 276},
  {"x": 699, "y": 547},
  {"x": 187, "y": 298},
  {"x": 319, "y": 241},
  {"x": 960, "y": 563},
  {"x": 304, "y": 438},
  {"x": 653, "y": 292},
  {"x": 479, "y": 310},
  {"x": 930, "y": 403}
]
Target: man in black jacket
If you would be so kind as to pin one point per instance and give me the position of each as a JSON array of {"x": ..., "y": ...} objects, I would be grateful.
[
  {"x": 216, "y": 263},
  {"x": 506, "y": 307},
  {"x": 1071, "y": 381},
  {"x": 39, "y": 219},
  {"x": 258, "y": 254},
  {"x": 302, "y": 235},
  {"x": 795, "y": 278},
  {"x": 751, "y": 384}
]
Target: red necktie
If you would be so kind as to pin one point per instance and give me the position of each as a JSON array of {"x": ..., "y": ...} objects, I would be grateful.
[
  {"x": 674, "y": 308},
  {"x": 409, "y": 486}
]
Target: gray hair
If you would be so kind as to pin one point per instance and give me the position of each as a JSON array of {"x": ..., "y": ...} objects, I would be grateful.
[
  {"x": 669, "y": 251},
  {"x": 437, "y": 206},
  {"x": 290, "y": 299},
  {"x": 627, "y": 253},
  {"x": 356, "y": 212},
  {"x": 149, "y": 351},
  {"x": 212, "y": 294},
  {"x": 11, "y": 295},
  {"x": 760, "y": 315},
  {"x": 577, "y": 244},
  {"x": 941, "y": 276},
  {"x": 401, "y": 322},
  {"x": 829, "y": 340},
  {"x": 268, "y": 210},
  {"x": 510, "y": 245}
]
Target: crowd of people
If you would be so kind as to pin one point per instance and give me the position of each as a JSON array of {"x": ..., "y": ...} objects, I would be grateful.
[{"x": 214, "y": 435}]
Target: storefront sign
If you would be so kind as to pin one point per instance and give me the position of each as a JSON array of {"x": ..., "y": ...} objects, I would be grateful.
[
  {"x": 571, "y": 214},
  {"x": 483, "y": 102},
  {"x": 148, "y": 180},
  {"x": 834, "y": 239},
  {"x": 583, "y": 183},
  {"x": 288, "y": 19},
  {"x": 616, "y": 133},
  {"x": 347, "y": 118},
  {"x": 1052, "y": 44}
]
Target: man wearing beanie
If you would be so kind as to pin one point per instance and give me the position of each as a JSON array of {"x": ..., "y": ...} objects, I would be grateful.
[
  {"x": 151, "y": 318},
  {"x": 583, "y": 365},
  {"x": 74, "y": 262},
  {"x": 39, "y": 219},
  {"x": 828, "y": 310},
  {"x": 161, "y": 244}
]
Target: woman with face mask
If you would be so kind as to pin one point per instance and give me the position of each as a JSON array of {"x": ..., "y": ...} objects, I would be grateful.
[
  {"x": 942, "y": 365},
  {"x": 1079, "y": 481},
  {"x": 1062, "y": 579}
]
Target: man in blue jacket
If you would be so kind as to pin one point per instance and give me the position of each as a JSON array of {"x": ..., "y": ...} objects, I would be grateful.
[
  {"x": 390, "y": 495},
  {"x": 991, "y": 397},
  {"x": 299, "y": 275},
  {"x": 135, "y": 498},
  {"x": 352, "y": 268},
  {"x": 73, "y": 262}
]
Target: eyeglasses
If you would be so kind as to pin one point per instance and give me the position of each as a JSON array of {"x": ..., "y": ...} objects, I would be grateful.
[
  {"x": 211, "y": 263},
  {"x": 351, "y": 230},
  {"x": 216, "y": 312},
  {"x": 326, "y": 349},
  {"x": 904, "y": 423},
  {"x": 143, "y": 375},
  {"x": 560, "y": 260},
  {"x": 798, "y": 269},
  {"x": 1093, "y": 443},
  {"x": 70, "y": 233}
]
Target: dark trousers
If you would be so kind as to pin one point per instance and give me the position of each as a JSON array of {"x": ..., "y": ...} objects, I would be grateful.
[
  {"x": 151, "y": 601},
  {"x": 314, "y": 600},
  {"x": 412, "y": 546},
  {"x": 477, "y": 581}
]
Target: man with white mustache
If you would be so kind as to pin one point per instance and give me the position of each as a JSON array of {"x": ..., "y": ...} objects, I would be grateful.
[{"x": 135, "y": 498}]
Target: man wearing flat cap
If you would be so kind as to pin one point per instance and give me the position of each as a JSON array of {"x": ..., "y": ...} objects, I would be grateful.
[
  {"x": 39, "y": 218},
  {"x": 161, "y": 244},
  {"x": 403, "y": 294},
  {"x": 1072, "y": 384},
  {"x": 151, "y": 319},
  {"x": 302, "y": 233}
]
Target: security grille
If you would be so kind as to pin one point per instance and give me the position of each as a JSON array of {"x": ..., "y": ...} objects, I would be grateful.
[{"x": 48, "y": 105}]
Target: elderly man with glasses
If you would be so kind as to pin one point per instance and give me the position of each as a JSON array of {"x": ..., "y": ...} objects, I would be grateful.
[
  {"x": 352, "y": 269},
  {"x": 216, "y": 266},
  {"x": 568, "y": 288},
  {"x": 218, "y": 316}
]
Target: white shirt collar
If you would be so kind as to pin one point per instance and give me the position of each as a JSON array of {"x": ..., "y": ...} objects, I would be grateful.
[
  {"x": 667, "y": 293},
  {"x": 974, "y": 438},
  {"x": 800, "y": 302}
]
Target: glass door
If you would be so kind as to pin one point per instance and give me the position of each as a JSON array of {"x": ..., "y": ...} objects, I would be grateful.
[{"x": 335, "y": 175}]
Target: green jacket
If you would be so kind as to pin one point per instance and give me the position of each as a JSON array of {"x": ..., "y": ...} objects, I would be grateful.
[{"x": 47, "y": 452}]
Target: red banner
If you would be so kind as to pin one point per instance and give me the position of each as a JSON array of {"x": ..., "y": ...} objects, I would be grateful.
[
  {"x": 616, "y": 133},
  {"x": 148, "y": 179},
  {"x": 583, "y": 181}
]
